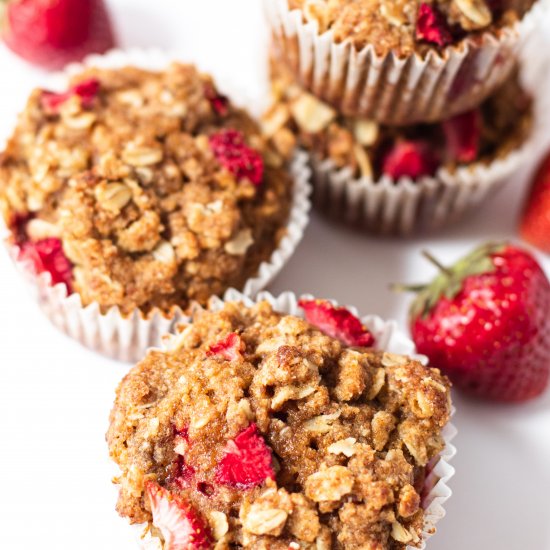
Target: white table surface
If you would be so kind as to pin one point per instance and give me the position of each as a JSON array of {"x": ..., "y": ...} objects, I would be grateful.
[{"x": 55, "y": 396}]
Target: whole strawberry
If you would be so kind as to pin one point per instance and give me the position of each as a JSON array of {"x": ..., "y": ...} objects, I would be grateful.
[
  {"x": 535, "y": 222},
  {"x": 52, "y": 33},
  {"x": 484, "y": 322}
]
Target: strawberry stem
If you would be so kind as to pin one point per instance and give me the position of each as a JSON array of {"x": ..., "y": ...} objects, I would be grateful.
[
  {"x": 395, "y": 287},
  {"x": 433, "y": 260}
]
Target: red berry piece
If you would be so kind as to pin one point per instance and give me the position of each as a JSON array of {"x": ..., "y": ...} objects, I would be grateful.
[
  {"x": 234, "y": 155},
  {"x": 230, "y": 348},
  {"x": 432, "y": 27},
  {"x": 463, "y": 133},
  {"x": 535, "y": 221},
  {"x": 86, "y": 90},
  {"x": 484, "y": 322},
  {"x": 337, "y": 322},
  {"x": 247, "y": 461},
  {"x": 181, "y": 526},
  {"x": 412, "y": 159},
  {"x": 54, "y": 33},
  {"x": 219, "y": 102},
  {"x": 47, "y": 256},
  {"x": 182, "y": 473}
]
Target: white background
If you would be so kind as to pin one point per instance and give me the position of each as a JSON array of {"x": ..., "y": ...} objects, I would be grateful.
[{"x": 55, "y": 397}]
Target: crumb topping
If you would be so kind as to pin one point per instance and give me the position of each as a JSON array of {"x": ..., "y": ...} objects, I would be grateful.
[
  {"x": 405, "y": 26},
  {"x": 133, "y": 172},
  {"x": 349, "y": 430}
]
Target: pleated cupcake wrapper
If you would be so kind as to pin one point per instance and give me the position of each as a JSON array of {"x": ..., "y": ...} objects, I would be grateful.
[
  {"x": 387, "y": 88},
  {"x": 388, "y": 337},
  {"x": 127, "y": 337},
  {"x": 405, "y": 207}
]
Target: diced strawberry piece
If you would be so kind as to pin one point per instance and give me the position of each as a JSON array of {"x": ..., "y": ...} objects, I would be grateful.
[
  {"x": 337, "y": 322},
  {"x": 432, "y": 27},
  {"x": 47, "y": 256},
  {"x": 180, "y": 525},
  {"x": 412, "y": 159},
  {"x": 219, "y": 102},
  {"x": 234, "y": 155},
  {"x": 230, "y": 348},
  {"x": 463, "y": 133},
  {"x": 87, "y": 90},
  {"x": 247, "y": 461},
  {"x": 182, "y": 473}
]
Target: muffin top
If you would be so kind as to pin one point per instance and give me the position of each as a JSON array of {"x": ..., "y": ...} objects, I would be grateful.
[
  {"x": 498, "y": 126},
  {"x": 260, "y": 430},
  {"x": 409, "y": 26},
  {"x": 143, "y": 189}
]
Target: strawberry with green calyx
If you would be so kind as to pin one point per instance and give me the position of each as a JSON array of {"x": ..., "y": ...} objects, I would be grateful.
[
  {"x": 484, "y": 322},
  {"x": 52, "y": 33}
]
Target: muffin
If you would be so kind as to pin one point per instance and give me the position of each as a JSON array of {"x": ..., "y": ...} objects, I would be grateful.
[
  {"x": 398, "y": 62},
  {"x": 258, "y": 429},
  {"x": 145, "y": 191},
  {"x": 357, "y": 153}
]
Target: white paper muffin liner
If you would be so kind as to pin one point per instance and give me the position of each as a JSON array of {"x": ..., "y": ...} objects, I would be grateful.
[
  {"x": 406, "y": 206},
  {"x": 389, "y": 338},
  {"x": 126, "y": 338},
  {"x": 387, "y": 88}
]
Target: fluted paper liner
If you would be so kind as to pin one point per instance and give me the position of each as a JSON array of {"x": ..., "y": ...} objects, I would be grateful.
[
  {"x": 387, "y": 88},
  {"x": 126, "y": 338},
  {"x": 389, "y": 338}
]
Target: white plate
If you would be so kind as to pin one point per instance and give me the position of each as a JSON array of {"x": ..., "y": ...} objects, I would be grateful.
[{"x": 55, "y": 396}]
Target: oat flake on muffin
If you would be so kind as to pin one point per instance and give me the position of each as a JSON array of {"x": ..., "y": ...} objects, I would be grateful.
[
  {"x": 257, "y": 430},
  {"x": 143, "y": 189}
]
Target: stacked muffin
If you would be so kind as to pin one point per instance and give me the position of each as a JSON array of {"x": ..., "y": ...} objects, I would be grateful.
[{"x": 413, "y": 112}]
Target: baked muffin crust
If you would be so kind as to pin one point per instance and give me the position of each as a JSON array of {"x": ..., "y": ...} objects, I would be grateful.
[
  {"x": 350, "y": 432},
  {"x": 160, "y": 190},
  {"x": 396, "y": 25}
]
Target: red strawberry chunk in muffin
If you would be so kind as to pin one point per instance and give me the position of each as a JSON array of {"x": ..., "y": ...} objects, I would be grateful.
[
  {"x": 87, "y": 91},
  {"x": 234, "y": 155},
  {"x": 219, "y": 102},
  {"x": 230, "y": 347},
  {"x": 247, "y": 461},
  {"x": 412, "y": 159},
  {"x": 432, "y": 27},
  {"x": 180, "y": 525},
  {"x": 47, "y": 256},
  {"x": 463, "y": 135},
  {"x": 337, "y": 322}
]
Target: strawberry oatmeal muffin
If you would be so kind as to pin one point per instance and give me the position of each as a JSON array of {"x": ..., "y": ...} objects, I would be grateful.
[
  {"x": 364, "y": 153},
  {"x": 397, "y": 61},
  {"x": 261, "y": 430},
  {"x": 143, "y": 190}
]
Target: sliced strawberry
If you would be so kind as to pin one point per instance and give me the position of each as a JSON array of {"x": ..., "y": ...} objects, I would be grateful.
[
  {"x": 230, "y": 348},
  {"x": 219, "y": 102},
  {"x": 86, "y": 90},
  {"x": 432, "y": 27},
  {"x": 408, "y": 158},
  {"x": 463, "y": 134},
  {"x": 337, "y": 322},
  {"x": 47, "y": 256},
  {"x": 247, "y": 461},
  {"x": 234, "y": 155},
  {"x": 180, "y": 525}
]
